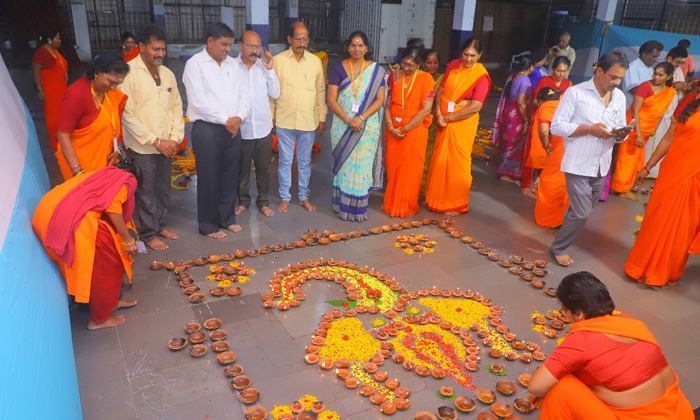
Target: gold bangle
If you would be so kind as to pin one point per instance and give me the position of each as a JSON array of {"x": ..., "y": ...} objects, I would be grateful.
[{"x": 130, "y": 243}]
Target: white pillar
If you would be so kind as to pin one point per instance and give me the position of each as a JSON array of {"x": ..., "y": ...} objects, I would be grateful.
[
  {"x": 80, "y": 26},
  {"x": 227, "y": 17},
  {"x": 258, "y": 18},
  {"x": 291, "y": 13},
  {"x": 462, "y": 25},
  {"x": 606, "y": 10},
  {"x": 158, "y": 11}
]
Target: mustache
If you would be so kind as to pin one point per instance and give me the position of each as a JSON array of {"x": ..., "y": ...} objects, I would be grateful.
[
  {"x": 301, "y": 47},
  {"x": 254, "y": 55},
  {"x": 158, "y": 58}
]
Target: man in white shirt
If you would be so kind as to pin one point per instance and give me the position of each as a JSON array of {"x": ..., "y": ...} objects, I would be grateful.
[
  {"x": 218, "y": 100},
  {"x": 562, "y": 48},
  {"x": 153, "y": 130},
  {"x": 587, "y": 117},
  {"x": 256, "y": 130},
  {"x": 641, "y": 69}
]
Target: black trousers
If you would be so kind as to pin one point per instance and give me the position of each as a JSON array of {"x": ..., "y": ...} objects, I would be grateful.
[
  {"x": 152, "y": 193},
  {"x": 218, "y": 159},
  {"x": 260, "y": 152}
]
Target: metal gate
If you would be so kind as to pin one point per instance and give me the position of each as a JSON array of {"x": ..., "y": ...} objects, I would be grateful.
[
  {"x": 663, "y": 15},
  {"x": 186, "y": 20},
  {"x": 365, "y": 19},
  {"x": 108, "y": 19}
]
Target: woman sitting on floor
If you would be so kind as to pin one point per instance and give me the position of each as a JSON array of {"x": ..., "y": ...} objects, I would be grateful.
[{"x": 608, "y": 367}]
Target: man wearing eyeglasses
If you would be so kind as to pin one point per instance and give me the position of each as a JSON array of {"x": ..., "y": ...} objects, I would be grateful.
[
  {"x": 299, "y": 111},
  {"x": 256, "y": 130}
]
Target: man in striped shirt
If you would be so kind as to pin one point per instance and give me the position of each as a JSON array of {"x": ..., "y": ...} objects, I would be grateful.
[{"x": 589, "y": 117}]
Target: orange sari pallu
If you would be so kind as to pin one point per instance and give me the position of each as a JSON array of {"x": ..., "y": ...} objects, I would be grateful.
[
  {"x": 54, "y": 81},
  {"x": 450, "y": 172},
  {"x": 571, "y": 399},
  {"x": 671, "y": 227},
  {"x": 95, "y": 142},
  {"x": 630, "y": 158},
  {"x": 131, "y": 54},
  {"x": 405, "y": 158},
  {"x": 552, "y": 198}
]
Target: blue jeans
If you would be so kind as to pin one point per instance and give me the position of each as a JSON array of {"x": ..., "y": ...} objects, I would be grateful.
[{"x": 285, "y": 145}]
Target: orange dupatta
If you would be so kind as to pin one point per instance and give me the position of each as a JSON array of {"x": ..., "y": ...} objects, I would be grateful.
[
  {"x": 671, "y": 227},
  {"x": 449, "y": 175},
  {"x": 536, "y": 155},
  {"x": 54, "y": 81},
  {"x": 79, "y": 275},
  {"x": 95, "y": 142},
  {"x": 405, "y": 158},
  {"x": 131, "y": 54},
  {"x": 630, "y": 158},
  {"x": 570, "y": 392}
]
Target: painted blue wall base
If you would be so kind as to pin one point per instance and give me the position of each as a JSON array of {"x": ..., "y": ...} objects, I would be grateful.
[
  {"x": 262, "y": 30},
  {"x": 457, "y": 38}
]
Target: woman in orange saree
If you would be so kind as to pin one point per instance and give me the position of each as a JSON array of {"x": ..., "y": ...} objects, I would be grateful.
[
  {"x": 670, "y": 230},
  {"x": 82, "y": 225},
  {"x": 129, "y": 49},
  {"x": 408, "y": 118},
  {"x": 90, "y": 124},
  {"x": 463, "y": 91},
  {"x": 50, "y": 71},
  {"x": 609, "y": 367},
  {"x": 552, "y": 199},
  {"x": 651, "y": 101}
]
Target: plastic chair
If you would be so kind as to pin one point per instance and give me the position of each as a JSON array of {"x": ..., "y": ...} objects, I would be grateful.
[{"x": 517, "y": 57}]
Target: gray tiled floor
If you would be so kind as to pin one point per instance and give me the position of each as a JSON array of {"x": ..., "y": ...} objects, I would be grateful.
[{"x": 128, "y": 373}]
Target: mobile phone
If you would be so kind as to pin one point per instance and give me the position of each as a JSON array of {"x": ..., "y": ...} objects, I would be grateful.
[
  {"x": 625, "y": 128},
  {"x": 141, "y": 247},
  {"x": 555, "y": 49},
  {"x": 388, "y": 62}
]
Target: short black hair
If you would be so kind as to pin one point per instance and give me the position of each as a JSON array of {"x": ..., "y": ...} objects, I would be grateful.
[
  {"x": 684, "y": 43},
  {"x": 668, "y": 69},
  {"x": 416, "y": 42},
  {"x": 127, "y": 164},
  {"x": 151, "y": 33},
  {"x": 547, "y": 94},
  {"x": 414, "y": 53},
  {"x": 126, "y": 35},
  {"x": 293, "y": 27},
  {"x": 649, "y": 47},
  {"x": 562, "y": 59},
  {"x": 47, "y": 34},
  {"x": 430, "y": 52},
  {"x": 474, "y": 43},
  {"x": 677, "y": 52},
  {"x": 609, "y": 59},
  {"x": 107, "y": 62},
  {"x": 218, "y": 30},
  {"x": 583, "y": 292}
]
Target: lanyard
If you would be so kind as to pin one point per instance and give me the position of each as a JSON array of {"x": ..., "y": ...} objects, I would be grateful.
[
  {"x": 404, "y": 94},
  {"x": 352, "y": 77},
  {"x": 457, "y": 85},
  {"x": 58, "y": 61},
  {"x": 111, "y": 113}
]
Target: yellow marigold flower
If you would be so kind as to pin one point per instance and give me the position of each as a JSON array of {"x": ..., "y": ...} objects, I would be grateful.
[
  {"x": 348, "y": 339},
  {"x": 539, "y": 328},
  {"x": 211, "y": 277},
  {"x": 428, "y": 250},
  {"x": 225, "y": 283},
  {"x": 281, "y": 410},
  {"x": 535, "y": 314},
  {"x": 243, "y": 279},
  {"x": 639, "y": 218},
  {"x": 328, "y": 415},
  {"x": 397, "y": 245},
  {"x": 251, "y": 271},
  {"x": 408, "y": 251},
  {"x": 307, "y": 400},
  {"x": 379, "y": 322}
]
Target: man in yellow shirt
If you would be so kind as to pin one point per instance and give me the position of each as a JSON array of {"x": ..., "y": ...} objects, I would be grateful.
[
  {"x": 299, "y": 111},
  {"x": 153, "y": 129}
]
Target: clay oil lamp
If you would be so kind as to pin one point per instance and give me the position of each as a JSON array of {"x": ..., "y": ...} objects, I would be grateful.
[
  {"x": 477, "y": 244},
  {"x": 377, "y": 399},
  {"x": 191, "y": 290},
  {"x": 473, "y": 358},
  {"x": 557, "y": 324},
  {"x": 502, "y": 409},
  {"x": 425, "y": 415},
  {"x": 376, "y": 230},
  {"x": 312, "y": 349},
  {"x": 157, "y": 265},
  {"x": 228, "y": 256},
  {"x": 467, "y": 239},
  {"x": 524, "y": 405},
  {"x": 219, "y": 346},
  {"x": 517, "y": 259},
  {"x": 541, "y": 263},
  {"x": 529, "y": 266},
  {"x": 343, "y": 363},
  {"x": 197, "y": 297},
  {"x": 422, "y": 370},
  {"x": 218, "y": 335},
  {"x": 398, "y": 358},
  {"x": 539, "y": 320},
  {"x": 283, "y": 306},
  {"x": 226, "y": 358},
  {"x": 256, "y": 412},
  {"x": 240, "y": 381},
  {"x": 471, "y": 366},
  {"x": 456, "y": 234},
  {"x": 214, "y": 259},
  {"x": 345, "y": 236},
  {"x": 516, "y": 271},
  {"x": 276, "y": 247},
  {"x": 446, "y": 413},
  {"x": 296, "y": 407},
  {"x": 446, "y": 391},
  {"x": 527, "y": 276},
  {"x": 409, "y": 365},
  {"x": 326, "y": 364},
  {"x": 483, "y": 333},
  {"x": 485, "y": 415},
  {"x": 485, "y": 395},
  {"x": 402, "y": 392},
  {"x": 387, "y": 408},
  {"x": 235, "y": 291},
  {"x": 502, "y": 329},
  {"x": 352, "y": 383},
  {"x": 497, "y": 368},
  {"x": 539, "y": 356},
  {"x": 505, "y": 263},
  {"x": 374, "y": 309},
  {"x": 551, "y": 333},
  {"x": 253, "y": 253},
  {"x": 192, "y": 327},
  {"x": 212, "y": 323},
  {"x": 485, "y": 251},
  {"x": 391, "y": 383},
  {"x": 311, "y": 358},
  {"x": 249, "y": 395},
  {"x": 233, "y": 370},
  {"x": 551, "y": 291},
  {"x": 182, "y": 276},
  {"x": 200, "y": 261},
  {"x": 343, "y": 373},
  {"x": 177, "y": 343},
  {"x": 494, "y": 256},
  {"x": 217, "y": 291},
  {"x": 509, "y": 336},
  {"x": 197, "y": 337},
  {"x": 524, "y": 379},
  {"x": 539, "y": 272},
  {"x": 269, "y": 304},
  {"x": 198, "y": 350},
  {"x": 465, "y": 404},
  {"x": 510, "y": 355},
  {"x": 380, "y": 376},
  {"x": 533, "y": 346},
  {"x": 318, "y": 406},
  {"x": 386, "y": 353},
  {"x": 365, "y": 390},
  {"x": 185, "y": 283},
  {"x": 239, "y": 253},
  {"x": 526, "y": 358},
  {"x": 495, "y": 353},
  {"x": 506, "y": 387}
]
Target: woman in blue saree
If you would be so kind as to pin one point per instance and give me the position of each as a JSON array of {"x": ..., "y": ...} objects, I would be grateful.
[{"x": 356, "y": 92}]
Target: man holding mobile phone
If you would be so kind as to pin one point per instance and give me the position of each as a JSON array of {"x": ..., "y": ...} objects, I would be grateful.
[
  {"x": 562, "y": 48},
  {"x": 589, "y": 141}
]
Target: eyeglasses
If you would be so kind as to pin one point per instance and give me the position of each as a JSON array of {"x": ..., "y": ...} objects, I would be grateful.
[
  {"x": 252, "y": 47},
  {"x": 300, "y": 40}
]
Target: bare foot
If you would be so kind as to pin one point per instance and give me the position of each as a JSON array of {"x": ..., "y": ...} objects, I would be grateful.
[
  {"x": 234, "y": 228},
  {"x": 563, "y": 260},
  {"x": 508, "y": 179},
  {"x": 282, "y": 208},
  {"x": 217, "y": 235},
  {"x": 451, "y": 213},
  {"x": 630, "y": 196},
  {"x": 112, "y": 321},
  {"x": 125, "y": 304},
  {"x": 157, "y": 245},
  {"x": 307, "y": 205},
  {"x": 240, "y": 209},
  {"x": 527, "y": 192},
  {"x": 168, "y": 234},
  {"x": 267, "y": 211}
]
